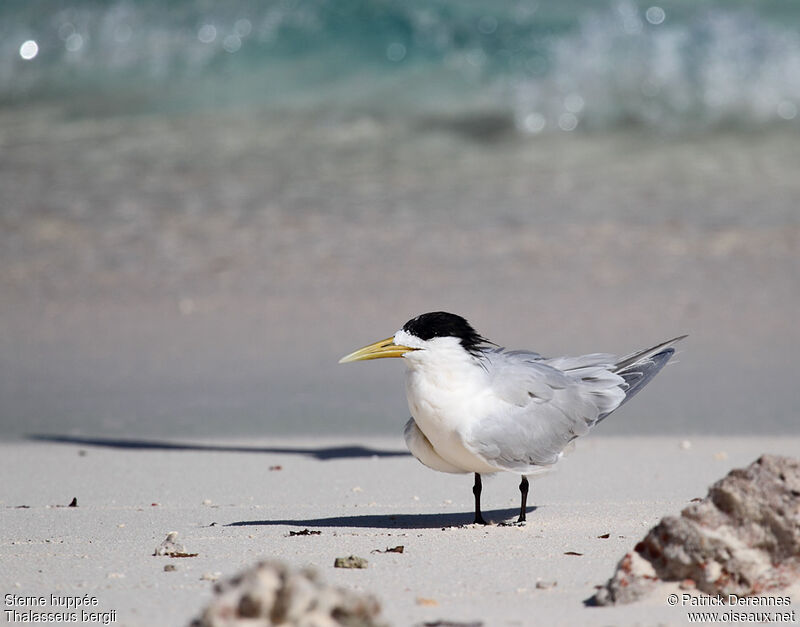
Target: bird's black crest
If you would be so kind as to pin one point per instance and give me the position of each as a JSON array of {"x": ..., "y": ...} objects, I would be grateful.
[{"x": 444, "y": 324}]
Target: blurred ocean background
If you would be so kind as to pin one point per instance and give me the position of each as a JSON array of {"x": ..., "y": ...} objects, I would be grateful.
[
  {"x": 203, "y": 205},
  {"x": 525, "y": 67}
]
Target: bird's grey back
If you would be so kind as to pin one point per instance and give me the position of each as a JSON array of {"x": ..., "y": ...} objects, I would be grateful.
[
  {"x": 553, "y": 401},
  {"x": 549, "y": 403}
]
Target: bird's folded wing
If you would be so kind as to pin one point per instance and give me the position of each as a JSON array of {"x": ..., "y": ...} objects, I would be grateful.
[{"x": 541, "y": 408}]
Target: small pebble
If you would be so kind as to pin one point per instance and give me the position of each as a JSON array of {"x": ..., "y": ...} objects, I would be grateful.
[
  {"x": 351, "y": 561},
  {"x": 171, "y": 548}
]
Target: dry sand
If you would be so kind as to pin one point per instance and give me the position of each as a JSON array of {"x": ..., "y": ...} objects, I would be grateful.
[{"x": 235, "y": 502}]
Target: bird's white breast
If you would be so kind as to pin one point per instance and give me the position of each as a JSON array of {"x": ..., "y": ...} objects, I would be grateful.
[{"x": 447, "y": 394}]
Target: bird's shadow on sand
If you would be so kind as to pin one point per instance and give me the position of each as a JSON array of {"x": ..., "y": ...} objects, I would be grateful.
[
  {"x": 393, "y": 521},
  {"x": 323, "y": 453}
]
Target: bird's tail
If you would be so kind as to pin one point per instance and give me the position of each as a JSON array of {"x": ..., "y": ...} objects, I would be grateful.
[
  {"x": 637, "y": 369},
  {"x": 640, "y": 367}
]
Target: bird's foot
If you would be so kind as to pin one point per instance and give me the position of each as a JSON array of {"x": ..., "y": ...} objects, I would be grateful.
[{"x": 479, "y": 520}]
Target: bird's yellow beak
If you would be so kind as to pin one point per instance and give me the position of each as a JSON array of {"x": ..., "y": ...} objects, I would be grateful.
[{"x": 383, "y": 348}]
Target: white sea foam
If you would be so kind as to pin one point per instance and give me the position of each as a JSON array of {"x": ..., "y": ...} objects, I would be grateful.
[{"x": 725, "y": 68}]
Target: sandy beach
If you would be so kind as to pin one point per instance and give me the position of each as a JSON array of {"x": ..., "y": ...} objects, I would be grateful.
[{"x": 235, "y": 502}]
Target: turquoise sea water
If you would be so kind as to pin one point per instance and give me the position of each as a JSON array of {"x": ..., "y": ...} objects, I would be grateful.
[{"x": 532, "y": 66}]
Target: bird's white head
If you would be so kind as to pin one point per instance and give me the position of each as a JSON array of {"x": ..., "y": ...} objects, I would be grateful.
[{"x": 434, "y": 332}]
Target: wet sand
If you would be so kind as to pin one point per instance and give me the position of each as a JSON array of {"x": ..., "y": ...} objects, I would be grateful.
[{"x": 201, "y": 275}]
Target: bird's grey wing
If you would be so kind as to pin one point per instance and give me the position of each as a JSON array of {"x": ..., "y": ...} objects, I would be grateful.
[{"x": 542, "y": 407}]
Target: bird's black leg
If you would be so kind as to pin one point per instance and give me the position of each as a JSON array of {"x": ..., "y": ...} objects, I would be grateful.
[
  {"x": 476, "y": 490},
  {"x": 523, "y": 489}
]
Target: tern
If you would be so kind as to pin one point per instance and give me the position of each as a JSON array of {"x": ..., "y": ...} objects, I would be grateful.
[{"x": 479, "y": 408}]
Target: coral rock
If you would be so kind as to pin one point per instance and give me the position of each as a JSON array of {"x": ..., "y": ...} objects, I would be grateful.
[
  {"x": 742, "y": 539},
  {"x": 270, "y": 593}
]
